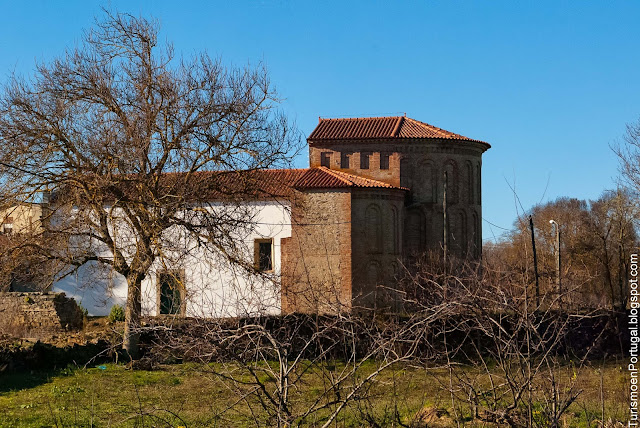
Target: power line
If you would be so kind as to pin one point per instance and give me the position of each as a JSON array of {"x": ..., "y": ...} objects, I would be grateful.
[{"x": 495, "y": 225}]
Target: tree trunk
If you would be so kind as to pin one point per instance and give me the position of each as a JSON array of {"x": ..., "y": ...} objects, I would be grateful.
[{"x": 132, "y": 314}]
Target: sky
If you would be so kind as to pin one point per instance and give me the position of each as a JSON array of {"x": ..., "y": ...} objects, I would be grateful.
[{"x": 550, "y": 85}]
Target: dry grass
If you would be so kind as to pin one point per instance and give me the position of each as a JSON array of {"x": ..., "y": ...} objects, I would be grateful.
[{"x": 189, "y": 395}]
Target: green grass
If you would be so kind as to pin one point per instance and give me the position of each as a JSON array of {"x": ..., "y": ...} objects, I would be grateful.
[{"x": 190, "y": 395}]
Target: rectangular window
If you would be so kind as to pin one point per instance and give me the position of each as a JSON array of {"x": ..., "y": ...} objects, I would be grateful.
[
  {"x": 364, "y": 160},
  {"x": 171, "y": 292},
  {"x": 344, "y": 160},
  {"x": 263, "y": 254},
  {"x": 384, "y": 160},
  {"x": 325, "y": 159}
]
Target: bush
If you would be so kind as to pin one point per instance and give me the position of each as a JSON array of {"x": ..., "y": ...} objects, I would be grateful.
[
  {"x": 116, "y": 314},
  {"x": 85, "y": 311}
]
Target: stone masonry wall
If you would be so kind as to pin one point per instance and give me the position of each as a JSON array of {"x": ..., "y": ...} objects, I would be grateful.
[
  {"x": 38, "y": 315},
  {"x": 316, "y": 259},
  {"x": 377, "y": 219}
]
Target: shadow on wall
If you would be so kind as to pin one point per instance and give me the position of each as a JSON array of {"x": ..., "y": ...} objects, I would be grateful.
[{"x": 95, "y": 289}]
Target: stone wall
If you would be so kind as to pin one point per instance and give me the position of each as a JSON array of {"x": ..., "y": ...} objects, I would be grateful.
[
  {"x": 422, "y": 169},
  {"x": 38, "y": 315},
  {"x": 316, "y": 259},
  {"x": 377, "y": 218}
]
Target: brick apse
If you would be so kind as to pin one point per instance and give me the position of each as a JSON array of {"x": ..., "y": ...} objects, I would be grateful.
[{"x": 377, "y": 197}]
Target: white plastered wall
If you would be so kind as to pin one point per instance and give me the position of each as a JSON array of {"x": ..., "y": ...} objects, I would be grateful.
[{"x": 214, "y": 287}]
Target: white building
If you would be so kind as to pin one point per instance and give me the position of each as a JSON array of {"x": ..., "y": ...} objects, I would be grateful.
[{"x": 196, "y": 283}]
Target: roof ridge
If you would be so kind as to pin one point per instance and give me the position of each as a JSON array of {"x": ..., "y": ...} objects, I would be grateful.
[
  {"x": 396, "y": 130},
  {"x": 219, "y": 171},
  {"x": 437, "y": 128},
  {"x": 336, "y": 174},
  {"x": 360, "y": 118}
]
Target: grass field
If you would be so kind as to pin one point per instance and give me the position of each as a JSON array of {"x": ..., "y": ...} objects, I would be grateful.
[{"x": 189, "y": 395}]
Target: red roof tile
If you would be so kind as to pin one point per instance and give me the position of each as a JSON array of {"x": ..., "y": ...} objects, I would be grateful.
[
  {"x": 323, "y": 178},
  {"x": 260, "y": 184},
  {"x": 195, "y": 186},
  {"x": 254, "y": 184},
  {"x": 276, "y": 183},
  {"x": 364, "y": 128},
  {"x": 229, "y": 185}
]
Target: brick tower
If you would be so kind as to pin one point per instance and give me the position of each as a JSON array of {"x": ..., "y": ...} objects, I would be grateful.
[{"x": 405, "y": 152}]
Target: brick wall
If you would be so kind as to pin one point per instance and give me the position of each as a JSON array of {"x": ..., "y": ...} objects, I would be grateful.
[
  {"x": 316, "y": 259},
  {"x": 38, "y": 315},
  {"x": 354, "y": 152},
  {"x": 420, "y": 165},
  {"x": 422, "y": 170}
]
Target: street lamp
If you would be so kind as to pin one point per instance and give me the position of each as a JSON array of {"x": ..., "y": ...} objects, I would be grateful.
[{"x": 554, "y": 223}]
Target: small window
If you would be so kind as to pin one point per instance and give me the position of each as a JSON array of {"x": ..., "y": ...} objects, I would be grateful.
[
  {"x": 364, "y": 160},
  {"x": 325, "y": 159},
  {"x": 7, "y": 226},
  {"x": 344, "y": 160},
  {"x": 263, "y": 254},
  {"x": 384, "y": 160},
  {"x": 171, "y": 292}
]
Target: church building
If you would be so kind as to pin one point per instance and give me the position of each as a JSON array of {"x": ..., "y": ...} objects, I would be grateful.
[
  {"x": 332, "y": 236},
  {"x": 377, "y": 196}
]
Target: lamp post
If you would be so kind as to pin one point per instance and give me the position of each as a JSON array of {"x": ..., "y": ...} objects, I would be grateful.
[{"x": 558, "y": 283}]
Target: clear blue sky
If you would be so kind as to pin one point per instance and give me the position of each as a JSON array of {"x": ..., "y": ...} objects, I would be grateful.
[{"x": 550, "y": 84}]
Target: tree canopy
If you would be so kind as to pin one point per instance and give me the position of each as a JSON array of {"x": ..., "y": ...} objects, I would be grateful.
[{"x": 103, "y": 126}]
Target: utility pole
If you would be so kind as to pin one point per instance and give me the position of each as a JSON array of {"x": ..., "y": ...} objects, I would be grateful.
[
  {"x": 535, "y": 262},
  {"x": 558, "y": 282},
  {"x": 445, "y": 233},
  {"x": 444, "y": 218}
]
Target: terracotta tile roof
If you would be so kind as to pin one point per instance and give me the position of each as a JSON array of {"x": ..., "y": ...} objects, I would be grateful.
[
  {"x": 364, "y": 128},
  {"x": 279, "y": 182},
  {"x": 260, "y": 184},
  {"x": 324, "y": 178},
  {"x": 231, "y": 185},
  {"x": 196, "y": 186},
  {"x": 275, "y": 183}
]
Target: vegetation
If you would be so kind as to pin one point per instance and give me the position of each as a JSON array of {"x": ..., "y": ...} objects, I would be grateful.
[
  {"x": 100, "y": 128},
  {"x": 179, "y": 395},
  {"x": 116, "y": 314},
  {"x": 466, "y": 344},
  {"x": 598, "y": 237}
]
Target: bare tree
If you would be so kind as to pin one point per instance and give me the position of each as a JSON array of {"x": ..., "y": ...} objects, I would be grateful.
[
  {"x": 509, "y": 361},
  {"x": 596, "y": 239},
  {"x": 614, "y": 219},
  {"x": 629, "y": 153},
  {"x": 270, "y": 362},
  {"x": 133, "y": 143}
]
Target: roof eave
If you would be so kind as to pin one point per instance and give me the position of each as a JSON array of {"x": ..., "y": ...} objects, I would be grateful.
[{"x": 313, "y": 141}]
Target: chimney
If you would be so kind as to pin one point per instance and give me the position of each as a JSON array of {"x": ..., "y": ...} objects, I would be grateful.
[{"x": 46, "y": 197}]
